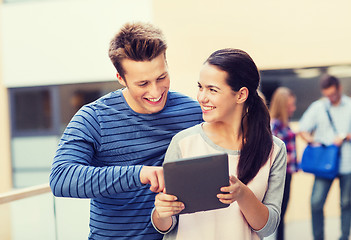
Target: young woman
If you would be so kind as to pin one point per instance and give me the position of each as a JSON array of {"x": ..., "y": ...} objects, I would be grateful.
[
  {"x": 282, "y": 107},
  {"x": 236, "y": 122}
]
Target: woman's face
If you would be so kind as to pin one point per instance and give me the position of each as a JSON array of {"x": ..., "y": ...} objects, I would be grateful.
[
  {"x": 291, "y": 105},
  {"x": 217, "y": 99}
]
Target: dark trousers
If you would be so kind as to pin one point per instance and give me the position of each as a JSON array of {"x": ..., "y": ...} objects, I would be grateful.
[
  {"x": 320, "y": 191},
  {"x": 286, "y": 196}
]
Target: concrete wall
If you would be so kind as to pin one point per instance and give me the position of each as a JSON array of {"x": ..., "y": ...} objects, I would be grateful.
[
  {"x": 58, "y": 42},
  {"x": 277, "y": 34},
  {"x": 5, "y": 157}
]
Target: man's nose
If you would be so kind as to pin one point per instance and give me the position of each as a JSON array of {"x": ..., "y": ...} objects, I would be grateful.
[{"x": 155, "y": 90}]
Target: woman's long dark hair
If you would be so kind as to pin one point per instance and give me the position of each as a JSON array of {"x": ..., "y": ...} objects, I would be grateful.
[{"x": 257, "y": 139}]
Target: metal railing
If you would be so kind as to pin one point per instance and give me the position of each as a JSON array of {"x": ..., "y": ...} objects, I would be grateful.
[
  {"x": 32, "y": 213},
  {"x": 30, "y": 194},
  {"x": 24, "y": 193}
]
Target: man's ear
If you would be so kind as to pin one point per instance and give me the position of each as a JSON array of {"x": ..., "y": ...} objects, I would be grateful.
[
  {"x": 120, "y": 79},
  {"x": 242, "y": 95}
]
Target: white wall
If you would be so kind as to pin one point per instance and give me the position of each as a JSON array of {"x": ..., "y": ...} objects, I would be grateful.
[
  {"x": 50, "y": 42},
  {"x": 276, "y": 33},
  {"x": 58, "y": 42}
]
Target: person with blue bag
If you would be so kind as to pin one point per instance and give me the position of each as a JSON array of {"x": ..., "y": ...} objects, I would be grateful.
[{"x": 327, "y": 121}]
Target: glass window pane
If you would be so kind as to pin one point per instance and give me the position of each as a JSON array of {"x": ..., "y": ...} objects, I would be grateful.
[
  {"x": 32, "y": 109},
  {"x": 74, "y": 96}
]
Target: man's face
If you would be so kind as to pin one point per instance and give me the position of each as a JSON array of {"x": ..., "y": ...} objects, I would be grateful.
[
  {"x": 333, "y": 93},
  {"x": 147, "y": 84}
]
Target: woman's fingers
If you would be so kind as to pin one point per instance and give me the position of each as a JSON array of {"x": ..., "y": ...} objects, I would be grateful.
[
  {"x": 226, "y": 198},
  {"x": 167, "y": 205},
  {"x": 231, "y": 192}
]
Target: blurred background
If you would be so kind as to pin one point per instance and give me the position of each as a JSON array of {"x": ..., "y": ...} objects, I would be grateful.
[{"x": 53, "y": 59}]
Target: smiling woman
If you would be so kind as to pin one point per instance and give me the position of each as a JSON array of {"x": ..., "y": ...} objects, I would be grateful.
[
  {"x": 216, "y": 98},
  {"x": 236, "y": 123}
]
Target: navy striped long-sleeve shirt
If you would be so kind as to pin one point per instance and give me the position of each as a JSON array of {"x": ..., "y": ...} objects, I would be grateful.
[{"x": 100, "y": 156}]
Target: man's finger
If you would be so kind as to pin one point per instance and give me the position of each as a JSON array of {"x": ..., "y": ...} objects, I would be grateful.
[
  {"x": 161, "y": 180},
  {"x": 153, "y": 182}
]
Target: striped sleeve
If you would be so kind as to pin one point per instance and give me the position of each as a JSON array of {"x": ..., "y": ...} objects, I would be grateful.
[{"x": 74, "y": 175}]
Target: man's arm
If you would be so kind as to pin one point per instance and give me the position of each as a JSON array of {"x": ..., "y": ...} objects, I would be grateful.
[
  {"x": 73, "y": 175},
  {"x": 307, "y": 137}
]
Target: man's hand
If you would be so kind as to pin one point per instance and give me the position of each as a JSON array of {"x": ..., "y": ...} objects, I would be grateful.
[
  {"x": 338, "y": 141},
  {"x": 153, "y": 176}
]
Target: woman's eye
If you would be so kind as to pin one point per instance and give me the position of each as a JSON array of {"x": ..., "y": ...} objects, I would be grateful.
[{"x": 142, "y": 84}]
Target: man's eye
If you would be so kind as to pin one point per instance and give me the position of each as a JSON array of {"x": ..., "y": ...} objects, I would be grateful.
[{"x": 163, "y": 77}]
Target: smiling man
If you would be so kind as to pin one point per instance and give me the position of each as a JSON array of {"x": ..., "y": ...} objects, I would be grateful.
[{"x": 112, "y": 148}]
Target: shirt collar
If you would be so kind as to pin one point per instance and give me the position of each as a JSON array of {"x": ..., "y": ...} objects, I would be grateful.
[{"x": 342, "y": 101}]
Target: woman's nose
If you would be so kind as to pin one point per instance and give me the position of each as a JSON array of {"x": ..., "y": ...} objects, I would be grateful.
[{"x": 201, "y": 96}]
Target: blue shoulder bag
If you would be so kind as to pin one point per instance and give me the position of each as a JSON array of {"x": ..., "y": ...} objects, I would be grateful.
[{"x": 322, "y": 160}]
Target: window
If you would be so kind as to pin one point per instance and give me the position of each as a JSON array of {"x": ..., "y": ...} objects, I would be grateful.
[
  {"x": 46, "y": 110},
  {"x": 39, "y": 116},
  {"x": 32, "y": 110}
]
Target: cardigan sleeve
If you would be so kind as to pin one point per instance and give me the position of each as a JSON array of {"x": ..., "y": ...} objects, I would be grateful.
[{"x": 274, "y": 195}]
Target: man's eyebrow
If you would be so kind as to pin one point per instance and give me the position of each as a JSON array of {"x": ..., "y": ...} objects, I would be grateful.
[{"x": 163, "y": 75}]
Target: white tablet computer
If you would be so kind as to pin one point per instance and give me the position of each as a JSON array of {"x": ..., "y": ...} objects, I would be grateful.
[{"x": 196, "y": 181}]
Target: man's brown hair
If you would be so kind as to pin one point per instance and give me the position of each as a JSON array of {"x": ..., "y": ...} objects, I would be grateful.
[
  {"x": 327, "y": 81},
  {"x": 138, "y": 42}
]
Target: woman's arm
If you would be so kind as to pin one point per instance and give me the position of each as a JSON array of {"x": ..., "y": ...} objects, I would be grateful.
[
  {"x": 166, "y": 206},
  {"x": 263, "y": 217},
  {"x": 254, "y": 211}
]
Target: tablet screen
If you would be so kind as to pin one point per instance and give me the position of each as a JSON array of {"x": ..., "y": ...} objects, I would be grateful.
[{"x": 196, "y": 181}]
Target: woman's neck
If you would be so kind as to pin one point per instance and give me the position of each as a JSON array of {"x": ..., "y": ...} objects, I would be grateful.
[{"x": 228, "y": 136}]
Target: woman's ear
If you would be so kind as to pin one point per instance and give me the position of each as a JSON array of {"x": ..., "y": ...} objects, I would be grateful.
[
  {"x": 121, "y": 80},
  {"x": 242, "y": 94}
]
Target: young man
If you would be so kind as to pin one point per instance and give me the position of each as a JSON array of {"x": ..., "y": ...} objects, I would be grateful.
[
  {"x": 316, "y": 119},
  {"x": 110, "y": 149}
]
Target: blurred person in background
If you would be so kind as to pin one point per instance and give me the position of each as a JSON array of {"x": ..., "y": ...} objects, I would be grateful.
[
  {"x": 282, "y": 108},
  {"x": 315, "y": 120},
  {"x": 112, "y": 149}
]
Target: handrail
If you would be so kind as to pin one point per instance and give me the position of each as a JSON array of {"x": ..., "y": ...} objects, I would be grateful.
[{"x": 24, "y": 193}]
